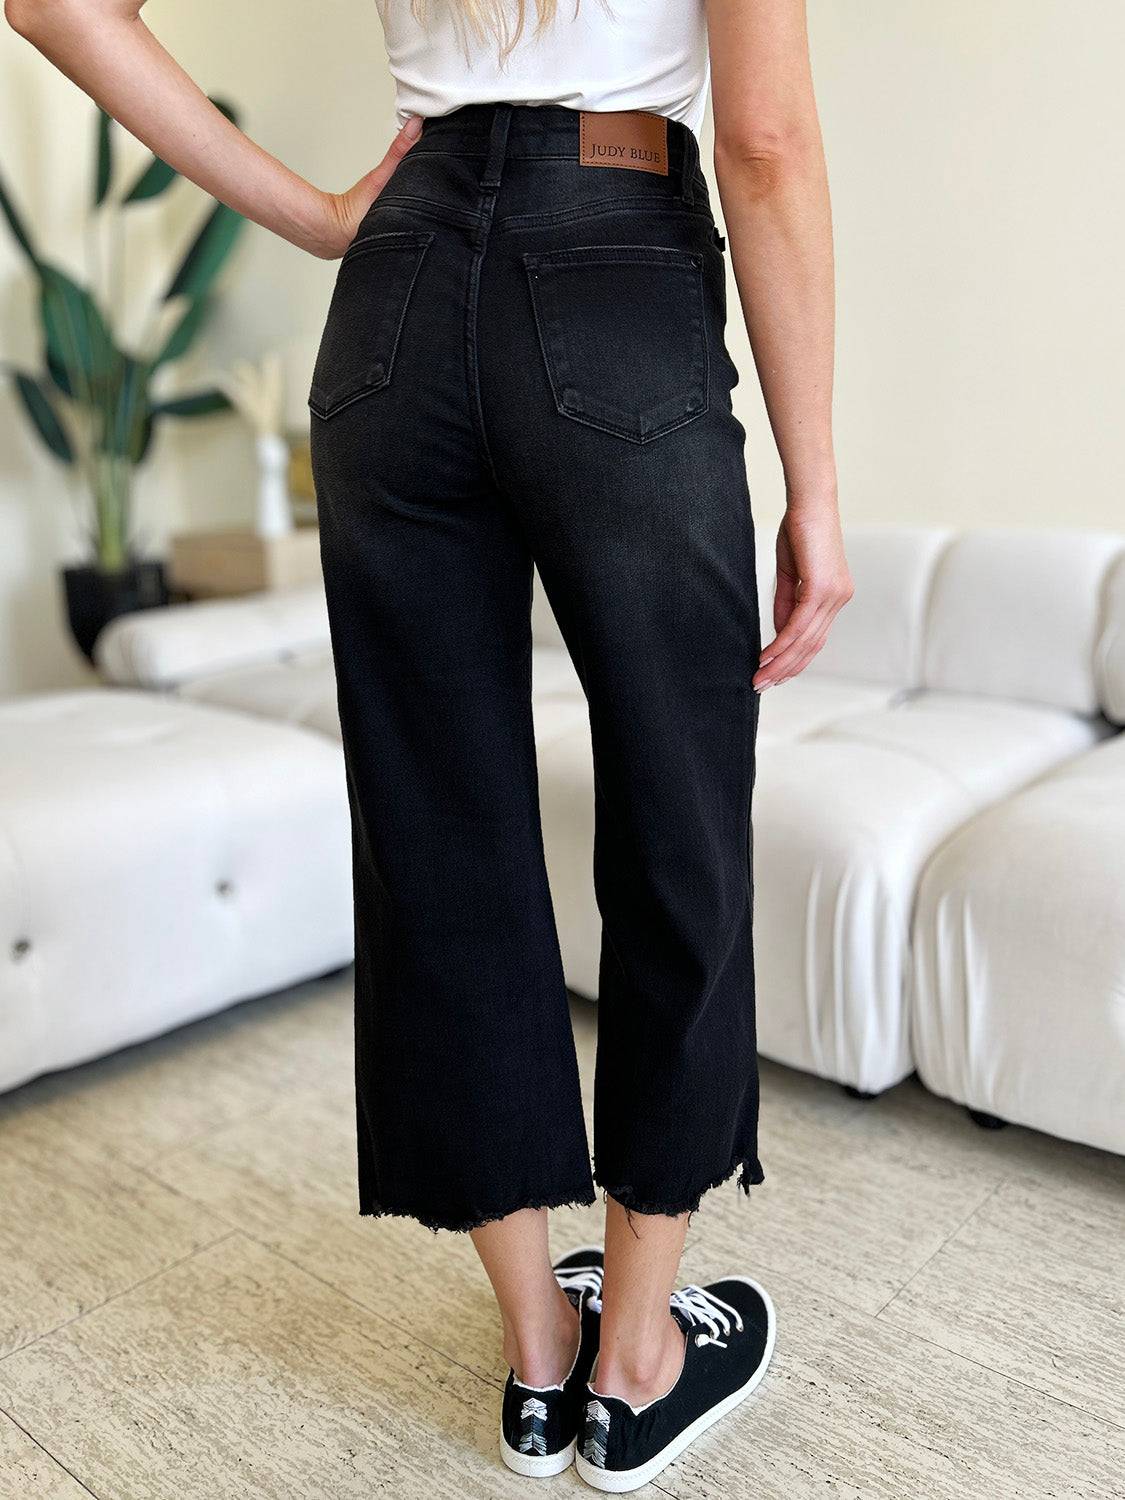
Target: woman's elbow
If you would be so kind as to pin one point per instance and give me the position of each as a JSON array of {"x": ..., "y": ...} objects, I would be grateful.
[
  {"x": 29, "y": 17},
  {"x": 764, "y": 158},
  {"x": 37, "y": 19},
  {"x": 17, "y": 13}
]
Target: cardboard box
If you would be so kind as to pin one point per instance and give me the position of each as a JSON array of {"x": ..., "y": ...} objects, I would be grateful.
[{"x": 209, "y": 564}]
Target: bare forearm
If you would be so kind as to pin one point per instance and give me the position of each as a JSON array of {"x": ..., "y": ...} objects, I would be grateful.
[
  {"x": 109, "y": 52},
  {"x": 769, "y": 162},
  {"x": 776, "y": 207}
]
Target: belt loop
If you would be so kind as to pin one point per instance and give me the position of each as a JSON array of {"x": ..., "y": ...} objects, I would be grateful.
[
  {"x": 690, "y": 150},
  {"x": 497, "y": 145}
]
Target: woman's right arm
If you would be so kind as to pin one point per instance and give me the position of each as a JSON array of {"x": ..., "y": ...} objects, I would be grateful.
[
  {"x": 109, "y": 52},
  {"x": 769, "y": 165}
]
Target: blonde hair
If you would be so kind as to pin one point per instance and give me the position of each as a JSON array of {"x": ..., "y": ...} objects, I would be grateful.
[{"x": 486, "y": 18}]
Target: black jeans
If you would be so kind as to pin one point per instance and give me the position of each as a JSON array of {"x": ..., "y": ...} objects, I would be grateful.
[{"x": 524, "y": 360}]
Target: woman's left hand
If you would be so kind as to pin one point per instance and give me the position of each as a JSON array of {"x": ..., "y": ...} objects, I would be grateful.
[
  {"x": 813, "y": 585},
  {"x": 344, "y": 212}
]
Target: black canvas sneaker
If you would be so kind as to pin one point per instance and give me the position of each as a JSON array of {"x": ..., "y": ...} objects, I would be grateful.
[
  {"x": 539, "y": 1424},
  {"x": 729, "y": 1330}
]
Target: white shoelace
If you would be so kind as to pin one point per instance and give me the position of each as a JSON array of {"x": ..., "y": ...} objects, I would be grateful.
[
  {"x": 700, "y": 1306},
  {"x": 583, "y": 1279}
]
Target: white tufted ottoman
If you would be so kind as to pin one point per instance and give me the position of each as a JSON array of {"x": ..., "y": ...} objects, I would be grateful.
[{"x": 159, "y": 860}]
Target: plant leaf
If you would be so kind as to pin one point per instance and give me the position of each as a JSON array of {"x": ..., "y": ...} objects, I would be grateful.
[
  {"x": 59, "y": 375},
  {"x": 183, "y": 334},
  {"x": 151, "y": 181},
  {"x": 16, "y": 225},
  {"x": 142, "y": 437},
  {"x": 43, "y": 416},
  {"x": 227, "y": 109},
  {"x": 198, "y": 404},
  {"x": 154, "y": 178},
  {"x": 76, "y": 333},
  {"x": 206, "y": 253},
  {"x": 128, "y": 408},
  {"x": 103, "y": 164}
]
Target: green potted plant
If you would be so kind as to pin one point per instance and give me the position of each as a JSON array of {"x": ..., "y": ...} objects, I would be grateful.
[{"x": 93, "y": 404}]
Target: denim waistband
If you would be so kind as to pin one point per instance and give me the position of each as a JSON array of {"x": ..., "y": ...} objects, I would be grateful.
[{"x": 510, "y": 131}]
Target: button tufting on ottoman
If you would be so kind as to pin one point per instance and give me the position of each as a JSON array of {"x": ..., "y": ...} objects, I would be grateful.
[{"x": 159, "y": 860}]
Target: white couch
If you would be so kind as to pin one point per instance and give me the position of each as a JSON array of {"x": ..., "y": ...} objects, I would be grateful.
[
  {"x": 159, "y": 860},
  {"x": 934, "y": 886}
]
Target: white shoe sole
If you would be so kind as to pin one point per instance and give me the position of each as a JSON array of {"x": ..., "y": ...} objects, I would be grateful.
[
  {"x": 537, "y": 1465},
  {"x": 618, "y": 1481},
  {"x": 542, "y": 1465}
]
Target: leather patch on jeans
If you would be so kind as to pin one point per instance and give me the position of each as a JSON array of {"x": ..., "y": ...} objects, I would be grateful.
[{"x": 630, "y": 138}]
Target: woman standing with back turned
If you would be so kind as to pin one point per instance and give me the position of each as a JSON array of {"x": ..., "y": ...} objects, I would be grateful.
[{"x": 524, "y": 363}]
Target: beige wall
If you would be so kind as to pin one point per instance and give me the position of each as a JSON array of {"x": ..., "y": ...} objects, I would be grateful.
[
  {"x": 979, "y": 208},
  {"x": 974, "y": 152}
]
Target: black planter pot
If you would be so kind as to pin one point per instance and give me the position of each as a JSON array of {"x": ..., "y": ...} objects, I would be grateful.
[{"x": 94, "y": 597}]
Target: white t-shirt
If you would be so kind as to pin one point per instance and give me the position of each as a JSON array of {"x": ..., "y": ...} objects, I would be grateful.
[{"x": 615, "y": 54}]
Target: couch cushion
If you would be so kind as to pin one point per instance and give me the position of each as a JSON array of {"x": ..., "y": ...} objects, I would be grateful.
[
  {"x": 544, "y": 627},
  {"x": 844, "y": 823},
  {"x": 809, "y": 703},
  {"x": 877, "y": 637},
  {"x": 553, "y": 674},
  {"x": 300, "y": 689},
  {"x": 158, "y": 648},
  {"x": 557, "y": 717},
  {"x": 985, "y": 745},
  {"x": 566, "y": 797},
  {"x": 841, "y": 830},
  {"x": 1015, "y": 614},
  {"x": 1018, "y": 995},
  {"x": 158, "y": 860},
  {"x": 1111, "y": 646}
]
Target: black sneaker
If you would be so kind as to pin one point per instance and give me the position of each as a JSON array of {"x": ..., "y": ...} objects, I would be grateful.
[
  {"x": 539, "y": 1424},
  {"x": 729, "y": 1328}
]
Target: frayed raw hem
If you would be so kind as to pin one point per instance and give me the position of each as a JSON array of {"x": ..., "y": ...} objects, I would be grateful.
[
  {"x": 750, "y": 1174},
  {"x": 581, "y": 1199}
]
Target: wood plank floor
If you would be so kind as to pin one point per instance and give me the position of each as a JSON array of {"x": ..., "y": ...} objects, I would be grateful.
[{"x": 191, "y": 1309}]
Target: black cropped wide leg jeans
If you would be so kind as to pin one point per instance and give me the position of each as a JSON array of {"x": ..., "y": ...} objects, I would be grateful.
[{"x": 524, "y": 363}]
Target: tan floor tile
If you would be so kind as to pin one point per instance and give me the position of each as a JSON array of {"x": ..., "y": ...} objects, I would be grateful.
[
  {"x": 315, "y": 1366},
  {"x": 1034, "y": 1285},
  {"x": 236, "y": 1374},
  {"x": 149, "y": 1099},
  {"x": 859, "y": 1195},
  {"x": 287, "y": 1177},
  {"x": 854, "y": 1408},
  {"x": 787, "y": 1096},
  {"x": 926, "y": 1131},
  {"x": 75, "y": 1230},
  {"x": 842, "y": 1211},
  {"x": 27, "y": 1472}
]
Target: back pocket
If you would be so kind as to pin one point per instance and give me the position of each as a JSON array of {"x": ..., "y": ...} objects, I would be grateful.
[
  {"x": 623, "y": 335},
  {"x": 365, "y": 317}
]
